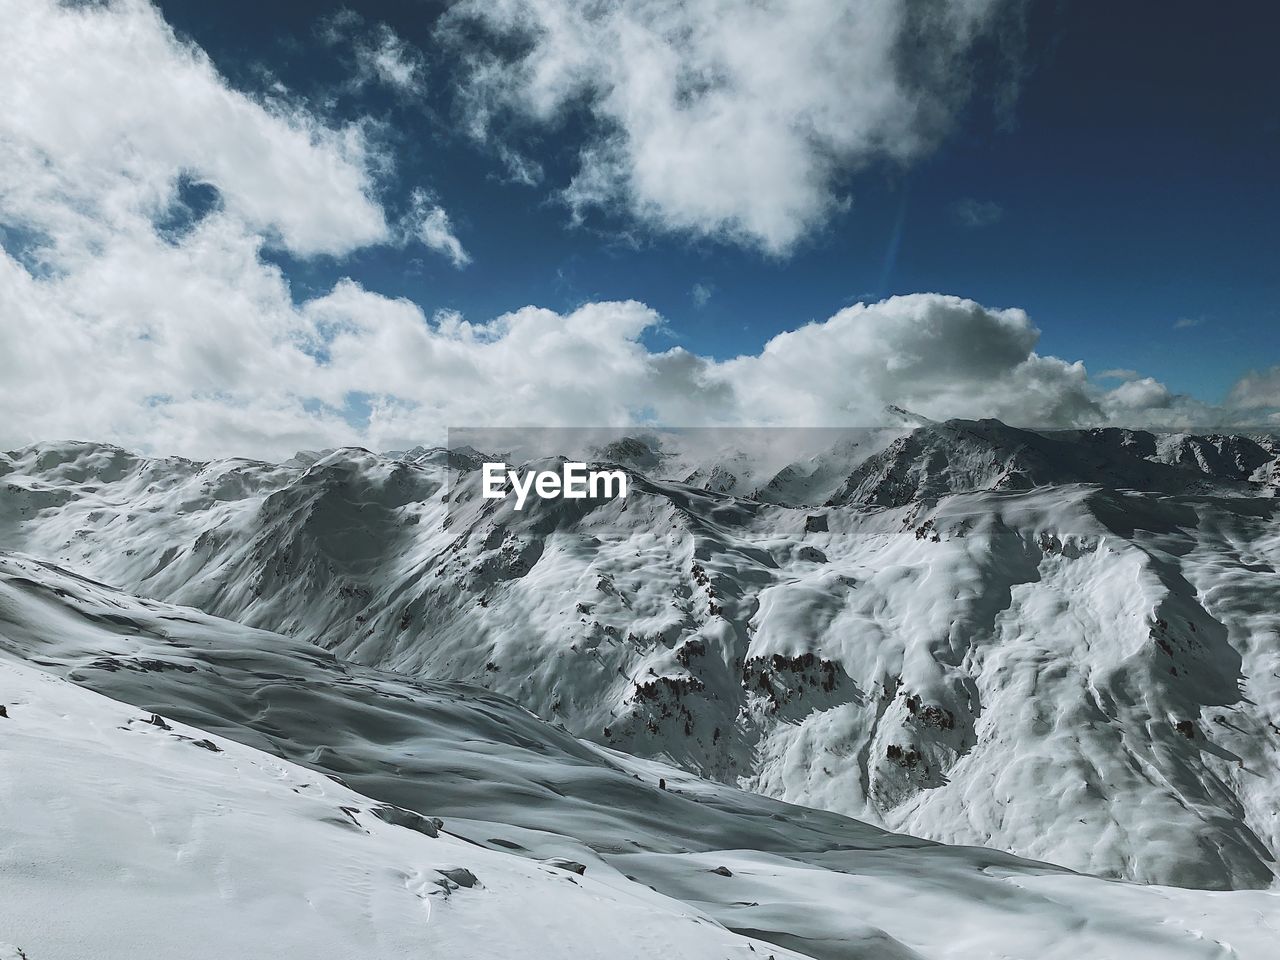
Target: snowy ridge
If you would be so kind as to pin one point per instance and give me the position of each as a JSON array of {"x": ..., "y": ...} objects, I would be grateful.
[
  {"x": 970, "y": 643},
  {"x": 208, "y": 795},
  {"x": 962, "y": 456}
]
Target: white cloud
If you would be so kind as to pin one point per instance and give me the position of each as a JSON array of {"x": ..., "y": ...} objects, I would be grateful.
[
  {"x": 379, "y": 54},
  {"x": 1146, "y": 394},
  {"x": 213, "y": 357},
  {"x": 701, "y": 294},
  {"x": 105, "y": 109},
  {"x": 941, "y": 356},
  {"x": 977, "y": 213},
  {"x": 1119, "y": 373},
  {"x": 393, "y": 62},
  {"x": 429, "y": 223},
  {"x": 1257, "y": 389},
  {"x": 188, "y": 341},
  {"x": 938, "y": 356},
  {"x": 520, "y": 169},
  {"x": 722, "y": 118},
  {"x": 123, "y": 315},
  {"x": 1186, "y": 323}
]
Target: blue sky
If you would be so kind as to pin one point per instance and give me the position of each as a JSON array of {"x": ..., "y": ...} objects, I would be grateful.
[
  {"x": 1132, "y": 187},
  {"x": 252, "y": 228}
]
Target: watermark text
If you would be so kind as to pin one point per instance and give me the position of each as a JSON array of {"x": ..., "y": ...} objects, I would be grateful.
[{"x": 574, "y": 482}]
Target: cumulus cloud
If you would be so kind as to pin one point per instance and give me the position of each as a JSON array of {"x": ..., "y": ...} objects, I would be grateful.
[
  {"x": 137, "y": 194},
  {"x": 1257, "y": 389},
  {"x": 110, "y": 119},
  {"x": 226, "y": 363},
  {"x": 724, "y": 119},
  {"x": 1146, "y": 394},
  {"x": 105, "y": 110},
  {"x": 938, "y": 356}
]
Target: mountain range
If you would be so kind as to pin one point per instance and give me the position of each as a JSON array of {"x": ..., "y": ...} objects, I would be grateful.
[{"x": 1031, "y": 677}]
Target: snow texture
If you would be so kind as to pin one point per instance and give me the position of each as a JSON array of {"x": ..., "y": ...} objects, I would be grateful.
[
  {"x": 1059, "y": 646},
  {"x": 243, "y": 794}
]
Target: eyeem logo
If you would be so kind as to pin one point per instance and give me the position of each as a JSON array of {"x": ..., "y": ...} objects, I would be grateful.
[{"x": 573, "y": 482}]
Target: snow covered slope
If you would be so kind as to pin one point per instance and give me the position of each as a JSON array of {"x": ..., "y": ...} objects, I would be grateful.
[
  {"x": 128, "y": 838},
  {"x": 1062, "y": 645},
  {"x": 181, "y": 826}
]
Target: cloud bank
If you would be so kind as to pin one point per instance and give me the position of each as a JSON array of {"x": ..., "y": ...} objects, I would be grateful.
[
  {"x": 721, "y": 118},
  {"x": 138, "y": 192},
  {"x": 242, "y": 370},
  {"x": 1257, "y": 390}
]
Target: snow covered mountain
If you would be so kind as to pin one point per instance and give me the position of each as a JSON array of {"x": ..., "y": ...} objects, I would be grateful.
[
  {"x": 244, "y": 794},
  {"x": 1063, "y": 645}
]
